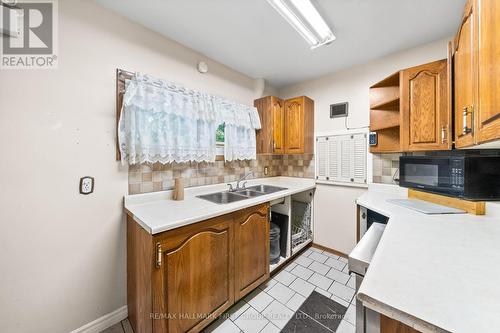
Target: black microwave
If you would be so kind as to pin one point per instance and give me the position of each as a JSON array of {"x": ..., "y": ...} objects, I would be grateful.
[{"x": 471, "y": 177}]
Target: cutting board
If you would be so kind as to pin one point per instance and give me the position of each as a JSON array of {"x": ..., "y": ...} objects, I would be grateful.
[{"x": 425, "y": 207}]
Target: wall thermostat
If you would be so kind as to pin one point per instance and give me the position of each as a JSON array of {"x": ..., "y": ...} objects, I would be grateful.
[
  {"x": 373, "y": 138},
  {"x": 86, "y": 185},
  {"x": 339, "y": 110},
  {"x": 202, "y": 67}
]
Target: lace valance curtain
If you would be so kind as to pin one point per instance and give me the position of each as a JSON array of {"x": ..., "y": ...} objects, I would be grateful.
[{"x": 164, "y": 122}]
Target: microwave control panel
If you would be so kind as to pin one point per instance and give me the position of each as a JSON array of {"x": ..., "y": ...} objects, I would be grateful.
[{"x": 457, "y": 173}]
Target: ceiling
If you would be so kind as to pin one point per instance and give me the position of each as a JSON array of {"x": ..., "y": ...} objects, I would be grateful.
[{"x": 252, "y": 38}]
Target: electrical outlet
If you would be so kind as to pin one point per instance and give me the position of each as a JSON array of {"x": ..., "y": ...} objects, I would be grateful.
[
  {"x": 86, "y": 185},
  {"x": 266, "y": 170}
]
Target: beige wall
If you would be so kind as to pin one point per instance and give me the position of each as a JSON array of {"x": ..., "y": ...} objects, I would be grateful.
[
  {"x": 334, "y": 205},
  {"x": 62, "y": 254}
]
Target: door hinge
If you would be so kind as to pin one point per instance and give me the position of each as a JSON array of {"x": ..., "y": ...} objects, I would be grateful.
[{"x": 158, "y": 255}]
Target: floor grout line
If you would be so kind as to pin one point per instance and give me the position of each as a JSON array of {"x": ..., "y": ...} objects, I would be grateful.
[{"x": 295, "y": 276}]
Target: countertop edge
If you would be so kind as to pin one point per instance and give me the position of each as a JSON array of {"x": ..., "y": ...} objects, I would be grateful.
[
  {"x": 401, "y": 316},
  {"x": 199, "y": 218}
]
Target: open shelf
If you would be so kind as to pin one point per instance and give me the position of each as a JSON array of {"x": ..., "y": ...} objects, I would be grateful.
[
  {"x": 388, "y": 141},
  {"x": 385, "y": 114},
  {"x": 294, "y": 215},
  {"x": 383, "y": 95},
  {"x": 390, "y": 105},
  {"x": 392, "y": 80},
  {"x": 382, "y": 119}
]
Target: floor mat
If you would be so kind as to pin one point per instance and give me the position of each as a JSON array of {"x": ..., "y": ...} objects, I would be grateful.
[{"x": 318, "y": 314}]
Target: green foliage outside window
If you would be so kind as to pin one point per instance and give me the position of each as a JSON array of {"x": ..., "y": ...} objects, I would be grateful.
[{"x": 219, "y": 133}]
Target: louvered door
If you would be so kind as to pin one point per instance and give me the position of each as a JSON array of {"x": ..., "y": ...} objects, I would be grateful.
[
  {"x": 322, "y": 158},
  {"x": 359, "y": 159},
  {"x": 341, "y": 158}
]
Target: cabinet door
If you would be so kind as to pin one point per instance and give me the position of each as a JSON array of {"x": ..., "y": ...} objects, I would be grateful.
[
  {"x": 488, "y": 112},
  {"x": 278, "y": 114},
  {"x": 251, "y": 248},
  {"x": 294, "y": 126},
  {"x": 426, "y": 107},
  {"x": 465, "y": 80},
  {"x": 194, "y": 275},
  {"x": 264, "y": 136}
]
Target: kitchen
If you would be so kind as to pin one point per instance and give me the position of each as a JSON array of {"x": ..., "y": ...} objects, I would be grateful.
[{"x": 342, "y": 179}]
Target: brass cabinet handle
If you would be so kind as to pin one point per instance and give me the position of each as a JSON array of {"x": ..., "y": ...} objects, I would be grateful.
[
  {"x": 466, "y": 111},
  {"x": 158, "y": 255},
  {"x": 444, "y": 139}
]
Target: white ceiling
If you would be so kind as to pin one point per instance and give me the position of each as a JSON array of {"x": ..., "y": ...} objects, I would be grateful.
[{"x": 251, "y": 37}]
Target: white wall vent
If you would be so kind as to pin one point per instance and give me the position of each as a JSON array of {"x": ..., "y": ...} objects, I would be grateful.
[{"x": 341, "y": 159}]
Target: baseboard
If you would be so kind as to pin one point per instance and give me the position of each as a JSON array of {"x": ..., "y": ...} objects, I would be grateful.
[
  {"x": 106, "y": 321},
  {"x": 327, "y": 249}
]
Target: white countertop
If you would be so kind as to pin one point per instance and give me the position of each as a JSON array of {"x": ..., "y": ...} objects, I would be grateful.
[
  {"x": 434, "y": 272},
  {"x": 157, "y": 212}
]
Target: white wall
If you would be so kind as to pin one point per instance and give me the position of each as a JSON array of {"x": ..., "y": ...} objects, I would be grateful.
[
  {"x": 62, "y": 254},
  {"x": 335, "y": 212}
]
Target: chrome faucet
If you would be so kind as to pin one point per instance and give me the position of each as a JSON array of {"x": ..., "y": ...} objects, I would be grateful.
[{"x": 232, "y": 189}]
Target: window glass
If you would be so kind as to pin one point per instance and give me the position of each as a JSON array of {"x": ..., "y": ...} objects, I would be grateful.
[{"x": 219, "y": 134}]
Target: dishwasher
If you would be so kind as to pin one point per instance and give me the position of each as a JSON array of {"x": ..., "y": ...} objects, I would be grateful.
[{"x": 367, "y": 320}]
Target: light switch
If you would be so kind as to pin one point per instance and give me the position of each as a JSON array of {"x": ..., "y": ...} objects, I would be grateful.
[{"x": 86, "y": 185}]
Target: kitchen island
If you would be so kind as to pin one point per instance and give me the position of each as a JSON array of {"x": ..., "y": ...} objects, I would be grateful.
[{"x": 434, "y": 273}]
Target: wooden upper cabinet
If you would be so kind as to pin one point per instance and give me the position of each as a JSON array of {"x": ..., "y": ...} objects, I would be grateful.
[
  {"x": 425, "y": 106},
  {"x": 278, "y": 114},
  {"x": 488, "y": 113},
  {"x": 287, "y": 126},
  {"x": 271, "y": 137},
  {"x": 194, "y": 275},
  {"x": 477, "y": 74},
  {"x": 294, "y": 115},
  {"x": 299, "y": 125},
  {"x": 252, "y": 248},
  {"x": 465, "y": 79}
]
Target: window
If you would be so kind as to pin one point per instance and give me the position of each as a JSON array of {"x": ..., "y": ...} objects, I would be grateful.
[
  {"x": 219, "y": 134},
  {"x": 219, "y": 141}
]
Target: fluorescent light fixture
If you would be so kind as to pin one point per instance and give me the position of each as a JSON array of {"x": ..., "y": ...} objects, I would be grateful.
[{"x": 304, "y": 17}]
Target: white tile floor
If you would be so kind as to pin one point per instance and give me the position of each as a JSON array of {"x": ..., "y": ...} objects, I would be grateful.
[{"x": 269, "y": 307}]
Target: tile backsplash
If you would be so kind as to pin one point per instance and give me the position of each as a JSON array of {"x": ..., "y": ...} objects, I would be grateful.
[
  {"x": 385, "y": 167},
  {"x": 157, "y": 177}
]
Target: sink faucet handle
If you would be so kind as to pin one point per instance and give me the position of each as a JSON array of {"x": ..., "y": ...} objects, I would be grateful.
[
  {"x": 244, "y": 186},
  {"x": 231, "y": 189}
]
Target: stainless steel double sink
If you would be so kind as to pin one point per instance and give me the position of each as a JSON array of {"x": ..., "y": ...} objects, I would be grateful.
[{"x": 241, "y": 194}]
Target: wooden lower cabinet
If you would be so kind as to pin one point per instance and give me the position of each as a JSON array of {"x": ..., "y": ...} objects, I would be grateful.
[
  {"x": 195, "y": 277},
  {"x": 389, "y": 325},
  {"x": 252, "y": 249},
  {"x": 181, "y": 280}
]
